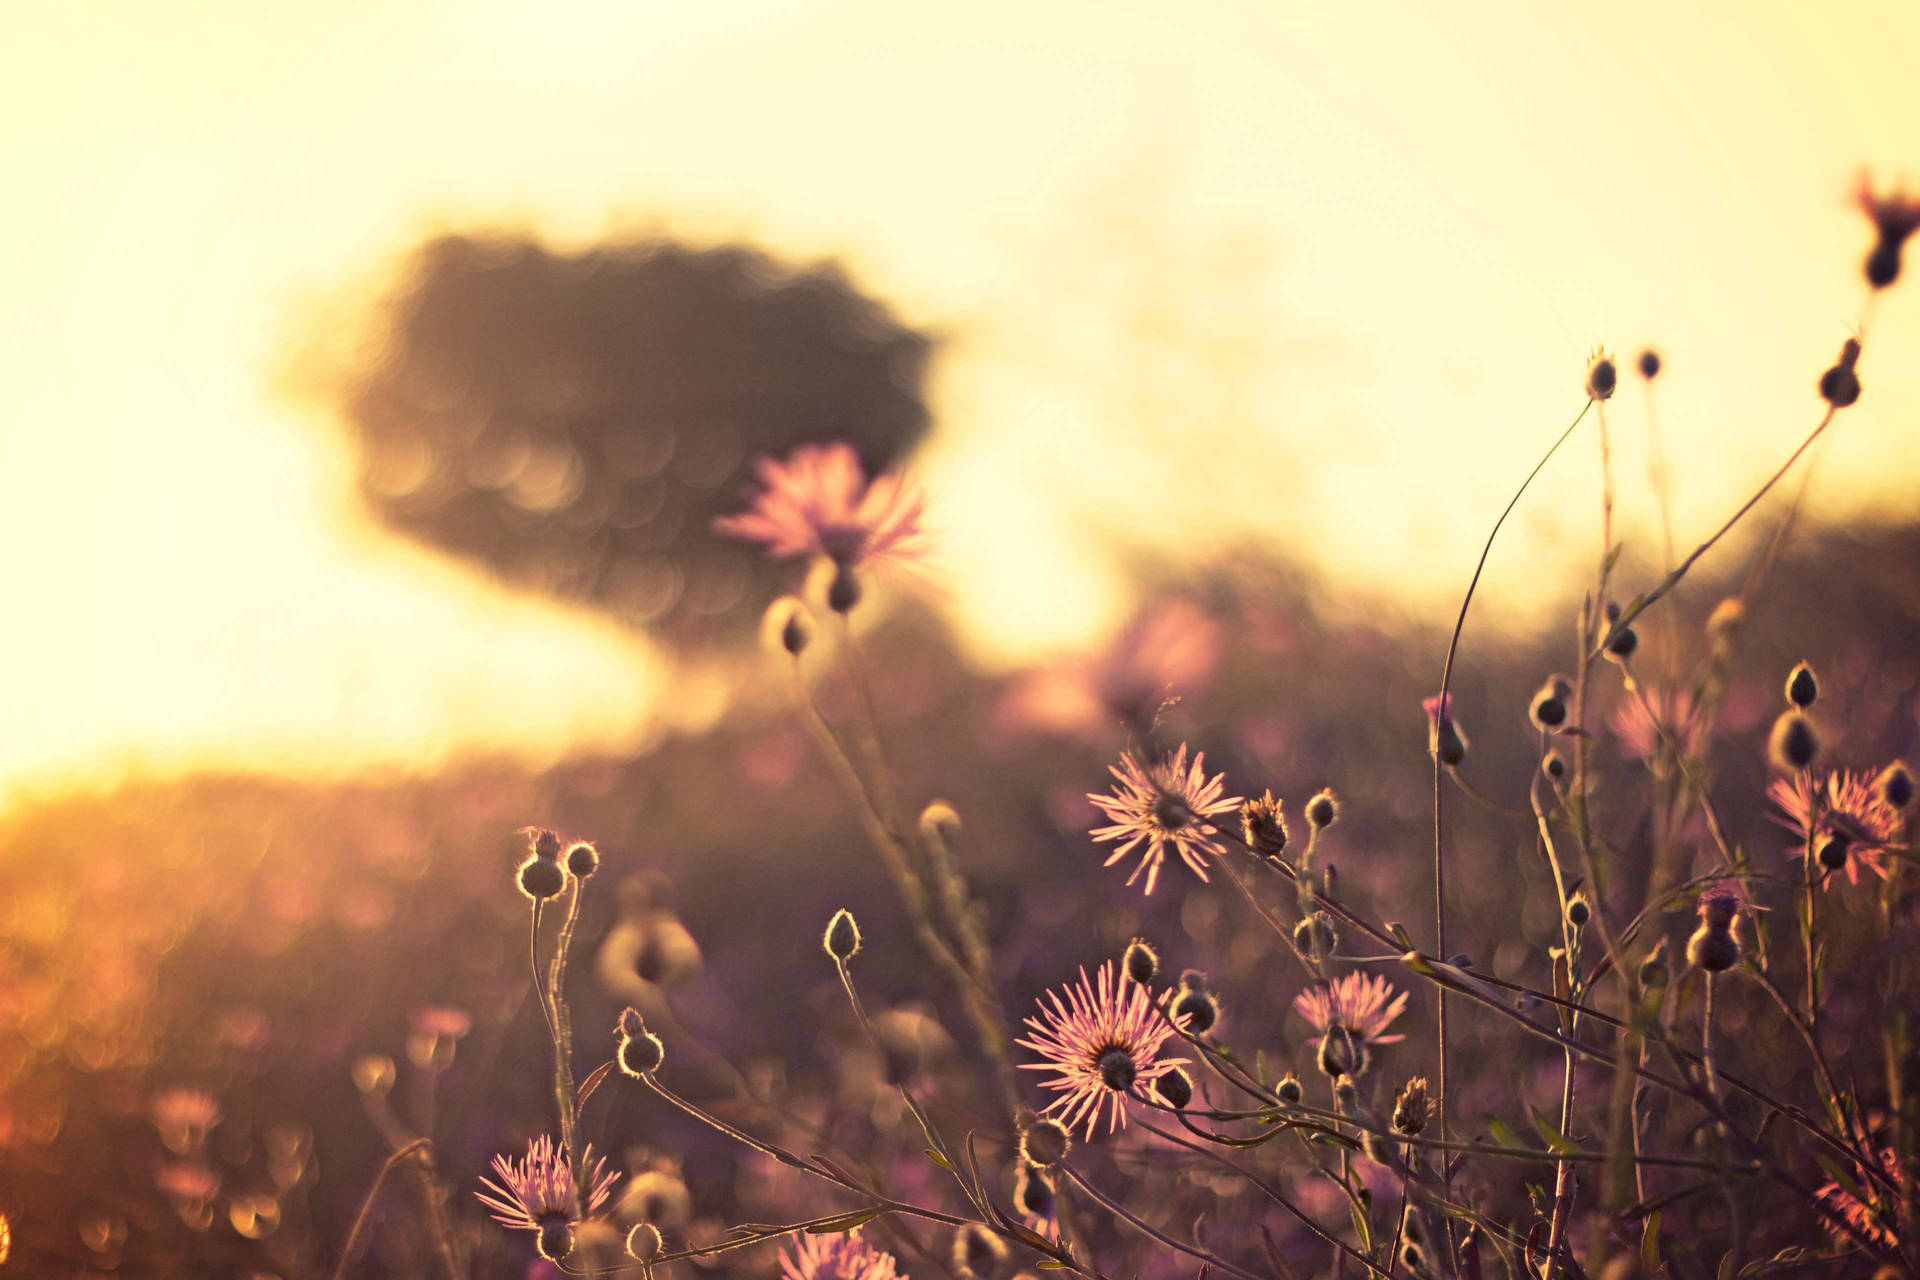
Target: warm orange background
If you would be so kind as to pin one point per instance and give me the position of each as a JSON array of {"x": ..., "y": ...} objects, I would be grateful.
[{"x": 1325, "y": 275}]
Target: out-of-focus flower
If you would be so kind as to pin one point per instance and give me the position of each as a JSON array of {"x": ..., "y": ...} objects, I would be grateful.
[
  {"x": 841, "y": 1257},
  {"x": 1877, "y": 1221},
  {"x": 1714, "y": 946},
  {"x": 658, "y": 1195},
  {"x": 1355, "y": 1010},
  {"x": 648, "y": 949},
  {"x": 1164, "y": 804},
  {"x": 1895, "y": 218},
  {"x": 1170, "y": 649},
  {"x": 1674, "y": 709},
  {"x": 1103, "y": 1040},
  {"x": 434, "y": 1032},
  {"x": 820, "y": 500},
  {"x": 538, "y": 1194},
  {"x": 1846, "y": 809},
  {"x": 1444, "y": 737},
  {"x": 183, "y": 1117}
]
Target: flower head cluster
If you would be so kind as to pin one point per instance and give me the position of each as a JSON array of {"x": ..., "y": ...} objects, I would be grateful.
[
  {"x": 820, "y": 500},
  {"x": 538, "y": 1194},
  {"x": 1101, "y": 1042},
  {"x": 841, "y": 1257},
  {"x": 1161, "y": 805},
  {"x": 1351, "y": 1014},
  {"x": 1846, "y": 818}
]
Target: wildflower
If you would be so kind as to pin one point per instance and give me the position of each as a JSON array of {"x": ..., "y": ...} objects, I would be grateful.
[
  {"x": 842, "y": 939},
  {"x": 1713, "y": 946},
  {"x": 1044, "y": 1143},
  {"x": 1874, "y": 1222},
  {"x": 1792, "y": 744},
  {"x": 1411, "y": 1107},
  {"x": 1847, "y": 809},
  {"x": 820, "y": 500},
  {"x": 1264, "y": 825},
  {"x": 1103, "y": 1040},
  {"x": 1323, "y": 809},
  {"x": 1548, "y": 710},
  {"x": 1840, "y": 385},
  {"x": 1895, "y": 217},
  {"x": 1894, "y": 787},
  {"x": 1642, "y": 714},
  {"x": 434, "y": 1033},
  {"x": 1033, "y": 1195},
  {"x": 542, "y": 878},
  {"x": 1601, "y": 377},
  {"x": 1350, "y": 1013},
  {"x": 1444, "y": 738},
  {"x": 537, "y": 1194},
  {"x": 841, "y": 1257},
  {"x": 1803, "y": 687},
  {"x": 1140, "y": 962},
  {"x": 1164, "y": 804}
]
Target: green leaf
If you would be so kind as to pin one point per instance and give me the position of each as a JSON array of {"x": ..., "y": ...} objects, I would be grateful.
[
  {"x": 1400, "y": 935},
  {"x": 938, "y": 1159},
  {"x": 1502, "y": 1133},
  {"x": 1650, "y": 1244},
  {"x": 1050, "y": 1264},
  {"x": 1557, "y": 1142},
  {"x": 592, "y": 1083},
  {"x": 845, "y": 1222}
]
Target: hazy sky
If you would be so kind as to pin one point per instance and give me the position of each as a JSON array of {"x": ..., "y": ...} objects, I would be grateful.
[{"x": 1326, "y": 275}]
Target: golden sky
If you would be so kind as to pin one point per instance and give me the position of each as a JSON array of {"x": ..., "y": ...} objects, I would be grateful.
[{"x": 1325, "y": 275}]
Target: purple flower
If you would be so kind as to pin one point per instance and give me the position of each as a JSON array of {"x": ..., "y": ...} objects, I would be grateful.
[
  {"x": 820, "y": 500},
  {"x": 1160, "y": 805},
  {"x": 1354, "y": 1010},
  {"x": 1103, "y": 1040},
  {"x": 1850, "y": 810},
  {"x": 537, "y": 1192},
  {"x": 841, "y": 1257}
]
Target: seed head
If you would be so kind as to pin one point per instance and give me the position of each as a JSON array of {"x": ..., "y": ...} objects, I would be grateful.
[
  {"x": 842, "y": 939},
  {"x": 1411, "y": 1107},
  {"x": 1649, "y": 364},
  {"x": 1803, "y": 688},
  {"x": 1175, "y": 1088},
  {"x": 1044, "y": 1143},
  {"x": 1578, "y": 912},
  {"x": 583, "y": 859},
  {"x": 1264, "y": 825},
  {"x": 639, "y": 1055},
  {"x": 542, "y": 878},
  {"x": 977, "y": 1251},
  {"x": 1323, "y": 809},
  {"x": 1140, "y": 962},
  {"x": 1602, "y": 377},
  {"x": 1840, "y": 385},
  {"x": 1793, "y": 744}
]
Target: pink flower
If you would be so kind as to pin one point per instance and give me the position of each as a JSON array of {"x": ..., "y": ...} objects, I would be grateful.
[
  {"x": 1351, "y": 1014},
  {"x": 535, "y": 1192},
  {"x": 1676, "y": 712},
  {"x": 1160, "y": 805},
  {"x": 1851, "y": 811},
  {"x": 1101, "y": 1042},
  {"x": 1878, "y": 1222},
  {"x": 841, "y": 1257},
  {"x": 1171, "y": 648},
  {"x": 819, "y": 500}
]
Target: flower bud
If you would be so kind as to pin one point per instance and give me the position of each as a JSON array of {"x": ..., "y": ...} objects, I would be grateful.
[
  {"x": 1548, "y": 710},
  {"x": 1175, "y": 1088},
  {"x": 1316, "y": 937},
  {"x": 1894, "y": 787},
  {"x": 546, "y": 844},
  {"x": 1411, "y": 1107},
  {"x": 1602, "y": 378},
  {"x": 542, "y": 878},
  {"x": 1555, "y": 766},
  {"x": 555, "y": 1240},
  {"x": 1323, "y": 809},
  {"x": 583, "y": 859},
  {"x": 1044, "y": 1143},
  {"x": 1200, "y": 1010},
  {"x": 842, "y": 939},
  {"x": 643, "y": 1242},
  {"x": 640, "y": 1056},
  {"x": 1840, "y": 385},
  {"x": 1802, "y": 686},
  {"x": 1793, "y": 744},
  {"x": 1649, "y": 364},
  {"x": 1288, "y": 1090},
  {"x": 844, "y": 591},
  {"x": 1264, "y": 825},
  {"x": 1578, "y": 912},
  {"x": 1140, "y": 961}
]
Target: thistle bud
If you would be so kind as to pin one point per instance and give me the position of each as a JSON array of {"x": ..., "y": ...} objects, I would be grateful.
[
  {"x": 1602, "y": 377},
  {"x": 629, "y": 1023},
  {"x": 583, "y": 859},
  {"x": 643, "y": 1242},
  {"x": 1653, "y": 969},
  {"x": 1288, "y": 1090},
  {"x": 1840, "y": 385},
  {"x": 1623, "y": 645},
  {"x": 1140, "y": 961},
  {"x": 1649, "y": 364},
  {"x": 1341, "y": 1053},
  {"x": 1323, "y": 809},
  {"x": 1033, "y": 1191},
  {"x": 1345, "y": 1095},
  {"x": 1193, "y": 980},
  {"x": 844, "y": 591},
  {"x": 1175, "y": 1088},
  {"x": 1044, "y": 1143},
  {"x": 842, "y": 939},
  {"x": 1802, "y": 686},
  {"x": 1411, "y": 1107},
  {"x": 1793, "y": 744},
  {"x": 1832, "y": 853},
  {"x": 1445, "y": 741},
  {"x": 1200, "y": 1010},
  {"x": 1264, "y": 825},
  {"x": 1715, "y": 950},
  {"x": 1578, "y": 912},
  {"x": 542, "y": 878},
  {"x": 1316, "y": 937},
  {"x": 555, "y": 1240},
  {"x": 1555, "y": 766},
  {"x": 1894, "y": 787},
  {"x": 640, "y": 1055},
  {"x": 1548, "y": 710}
]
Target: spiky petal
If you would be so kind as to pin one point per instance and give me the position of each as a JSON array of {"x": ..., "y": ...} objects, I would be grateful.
[
  {"x": 1162, "y": 805},
  {"x": 1101, "y": 1041}
]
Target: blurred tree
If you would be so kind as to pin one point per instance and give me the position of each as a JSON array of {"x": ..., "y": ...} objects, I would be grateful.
[{"x": 575, "y": 422}]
